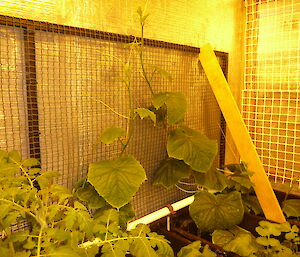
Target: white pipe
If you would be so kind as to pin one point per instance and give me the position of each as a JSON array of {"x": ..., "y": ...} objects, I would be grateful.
[
  {"x": 148, "y": 218},
  {"x": 160, "y": 213}
]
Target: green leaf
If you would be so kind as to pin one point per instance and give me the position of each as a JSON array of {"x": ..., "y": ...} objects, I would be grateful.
[
  {"x": 146, "y": 243},
  {"x": 170, "y": 171},
  {"x": 14, "y": 156},
  {"x": 11, "y": 218},
  {"x": 142, "y": 247},
  {"x": 22, "y": 254},
  {"x": 293, "y": 232},
  {"x": 267, "y": 241},
  {"x": 3, "y": 156},
  {"x": 114, "y": 249},
  {"x": 194, "y": 148},
  {"x": 220, "y": 211},
  {"x": 117, "y": 180},
  {"x": 111, "y": 134},
  {"x": 20, "y": 236},
  {"x": 9, "y": 169},
  {"x": 63, "y": 252},
  {"x": 207, "y": 252},
  {"x": 239, "y": 168},
  {"x": 53, "y": 210},
  {"x": 176, "y": 105},
  {"x": 34, "y": 171},
  {"x": 43, "y": 181},
  {"x": 267, "y": 228},
  {"x": 86, "y": 192},
  {"x": 50, "y": 174},
  {"x": 212, "y": 179},
  {"x": 191, "y": 250},
  {"x": 58, "y": 234},
  {"x": 162, "y": 72},
  {"x": 70, "y": 218},
  {"x": 251, "y": 203},
  {"x": 5, "y": 251},
  {"x": 242, "y": 180},
  {"x": 30, "y": 162},
  {"x": 291, "y": 207},
  {"x": 146, "y": 113},
  {"x": 126, "y": 213},
  {"x": 236, "y": 240},
  {"x": 161, "y": 115},
  {"x": 30, "y": 244},
  {"x": 141, "y": 14},
  {"x": 60, "y": 192},
  {"x": 79, "y": 206}
]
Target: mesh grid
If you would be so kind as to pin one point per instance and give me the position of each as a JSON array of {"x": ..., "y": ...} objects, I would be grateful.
[
  {"x": 270, "y": 99},
  {"x": 55, "y": 80}
]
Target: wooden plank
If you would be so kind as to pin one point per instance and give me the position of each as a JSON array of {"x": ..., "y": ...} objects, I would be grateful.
[{"x": 240, "y": 135}]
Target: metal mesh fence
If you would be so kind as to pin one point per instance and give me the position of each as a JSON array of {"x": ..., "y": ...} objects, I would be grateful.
[
  {"x": 271, "y": 93},
  {"x": 54, "y": 81}
]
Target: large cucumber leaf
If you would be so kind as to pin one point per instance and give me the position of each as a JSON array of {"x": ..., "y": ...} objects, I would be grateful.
[
  {"x": 170, "y": 171},
  {"x": 220, "y": 211},
  {"x": 251, "y": 203},
  {"x": 236, "y": 240},
  {"x": 87, "y": 193},
  {"x": 194, "y": 148},
  {"x": 176, "y": 105},
  {"x": 291, "y": 207},
  {"x": 117, "y": 180},
  {"x": 212, "y": 179}
]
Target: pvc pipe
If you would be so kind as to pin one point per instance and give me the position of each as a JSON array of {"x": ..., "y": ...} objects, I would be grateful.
[{"x": 165, "y": 211}]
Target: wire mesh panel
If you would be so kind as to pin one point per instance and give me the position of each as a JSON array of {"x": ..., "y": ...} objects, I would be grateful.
[
  {"x": 13, "y": 103},
  {"x": 60, "y": 84},
  {"x": 272, "y": 92}
]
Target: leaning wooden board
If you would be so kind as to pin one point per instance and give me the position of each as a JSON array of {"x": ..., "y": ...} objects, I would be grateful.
[{"x": 240, "y": 135}]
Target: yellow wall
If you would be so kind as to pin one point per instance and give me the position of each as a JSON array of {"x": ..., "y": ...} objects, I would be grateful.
[{"x": 191, "y": 22}]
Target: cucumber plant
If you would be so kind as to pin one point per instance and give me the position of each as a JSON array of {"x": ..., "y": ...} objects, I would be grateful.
[{"x": 190, "y": 154}]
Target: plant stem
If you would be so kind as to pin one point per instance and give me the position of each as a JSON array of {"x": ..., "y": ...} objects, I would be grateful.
[
  {"x": 110, "y": 108},
  {"x": 107, "y": 224},
  {"x": 142, "y": 60},
  {"x": 97, "y": 241},
  {"x": 24, "y": 172},
  {"x": 131, "y": 115},
  {"x": 11, "y": 244},
  {"x": 19, "y": 207},
  {"x": 39, "y": 242}
]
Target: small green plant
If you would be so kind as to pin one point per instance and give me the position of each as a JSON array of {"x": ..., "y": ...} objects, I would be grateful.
[
  {"x": 272, "y": 246},
  {"x": 194, "y": 250},
  {"x": 59, "y": 223},
  {"x": 275, "y": 240}
]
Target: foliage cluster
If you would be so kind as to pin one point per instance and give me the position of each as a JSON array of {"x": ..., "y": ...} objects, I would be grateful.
[
  {"x": 59, "y": 220},
  {"x": 274, "y": 240}
]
